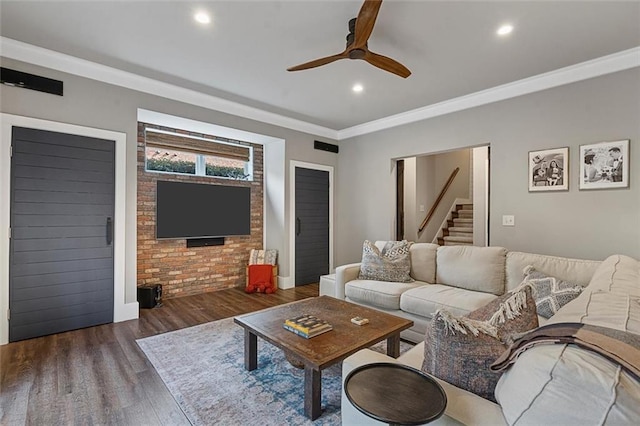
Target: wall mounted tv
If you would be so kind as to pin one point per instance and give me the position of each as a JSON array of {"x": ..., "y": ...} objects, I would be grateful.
[{"x": 193, "y": 210}]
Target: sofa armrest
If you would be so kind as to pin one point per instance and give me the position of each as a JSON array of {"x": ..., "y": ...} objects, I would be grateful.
[
  {"x": 344, "y": 274},
  {"x": 363, "y": 357},
  {"x": 463, "y": 407},
  {"x": 350, "y": 414}
]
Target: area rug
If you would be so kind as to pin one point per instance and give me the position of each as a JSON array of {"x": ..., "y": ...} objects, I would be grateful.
[{"x": 203, "y": 368}]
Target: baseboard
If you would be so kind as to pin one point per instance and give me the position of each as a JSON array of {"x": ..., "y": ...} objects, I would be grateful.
[
  {"x": 126, "y": 312},
  {"x": 285, "y": 283}
]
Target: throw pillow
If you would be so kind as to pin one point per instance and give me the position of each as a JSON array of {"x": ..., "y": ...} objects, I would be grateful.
[
  {"x": 459, "y": 350},
  {"x": 392, "y": 263},
  {"x": 550, "y": 293},
  {"x": 263, "y": 257}
]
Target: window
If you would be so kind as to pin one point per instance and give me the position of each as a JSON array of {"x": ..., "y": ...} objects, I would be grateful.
[
  {"x": 164, "y": 160},
  {"x": 175, "y": 153},
  {"x": 226, "y": 167}
]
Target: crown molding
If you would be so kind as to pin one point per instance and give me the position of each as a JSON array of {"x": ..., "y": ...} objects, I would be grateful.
[
  {"x": 615, "y": 62},
  {"x": 25, "y": 52}
]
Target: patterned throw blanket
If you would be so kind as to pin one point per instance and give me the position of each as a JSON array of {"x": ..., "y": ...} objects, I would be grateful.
[{"x": 620, "y": 347}]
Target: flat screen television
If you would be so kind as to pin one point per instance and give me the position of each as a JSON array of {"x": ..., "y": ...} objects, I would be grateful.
[{"x": 194, "y": 210}]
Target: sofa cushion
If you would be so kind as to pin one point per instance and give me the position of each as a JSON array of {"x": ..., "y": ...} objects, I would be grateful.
[
  {"x": 472, "y": 268},
  {"x": 550, "y": 293},
  {"x": 423, "y": 261},
  {"x": 381, "y": 294},
  {"x": 427, "y": 299},
  {"x": 578, "y": 271},
  {"x": 553, "y": 373},
  {"x": 564, "y": 385},
  {"x": 459, "y": 350},
  {"x": 392, "y": 263}
]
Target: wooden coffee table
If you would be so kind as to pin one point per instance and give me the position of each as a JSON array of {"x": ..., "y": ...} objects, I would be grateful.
[{"x": 326, "y": 349}]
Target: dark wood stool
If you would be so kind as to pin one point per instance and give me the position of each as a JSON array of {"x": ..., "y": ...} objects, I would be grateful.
[{"x": 395, "y": 393}]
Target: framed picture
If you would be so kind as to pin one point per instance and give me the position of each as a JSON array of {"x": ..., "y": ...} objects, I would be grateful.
[
  {"x": 604, "y": 165},
  {"x": 549, "y": 170}
]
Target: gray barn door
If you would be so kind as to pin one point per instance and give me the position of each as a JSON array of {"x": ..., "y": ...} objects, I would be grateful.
[
  {"x": 312, "y": 225},
  {"x": 61, "y": 254}
]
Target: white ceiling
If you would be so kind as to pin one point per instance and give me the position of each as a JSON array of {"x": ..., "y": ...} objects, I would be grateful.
[{"x": 450, "y": 47}]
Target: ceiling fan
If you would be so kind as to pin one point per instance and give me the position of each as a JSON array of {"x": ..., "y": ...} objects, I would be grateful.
[{"x": 360, "y": 29}]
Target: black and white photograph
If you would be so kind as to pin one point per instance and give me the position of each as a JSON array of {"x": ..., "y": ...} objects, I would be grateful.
[
  {"x": 604, "y": 165},
  {"x": 549, "y": 170}
]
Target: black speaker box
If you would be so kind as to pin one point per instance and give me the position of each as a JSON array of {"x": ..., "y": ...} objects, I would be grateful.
[
  {"x": 150, "y": 297},
  {"x": 323, "y": 146},
  {"x": 205, "y": 242},
  {"x": 30, "y": 81}
]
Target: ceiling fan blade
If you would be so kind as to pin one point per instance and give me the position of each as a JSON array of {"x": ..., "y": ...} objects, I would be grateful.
[
  {"x": 387, "y": 64},
  {"x": 318, "y": 62},
  {"x": 365, "y": 21}
]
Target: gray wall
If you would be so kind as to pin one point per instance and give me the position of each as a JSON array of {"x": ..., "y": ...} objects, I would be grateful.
[
  {"x": 94, "y": 104},
  {"x": 426, "y": 194},
  {"x": 581, "y": 224}
]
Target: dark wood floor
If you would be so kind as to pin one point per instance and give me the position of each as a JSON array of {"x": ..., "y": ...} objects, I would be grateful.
[{"x": 99, "y": 375}]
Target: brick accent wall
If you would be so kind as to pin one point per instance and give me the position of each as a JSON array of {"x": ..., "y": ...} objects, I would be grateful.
[{"x": 185, "y": 271}]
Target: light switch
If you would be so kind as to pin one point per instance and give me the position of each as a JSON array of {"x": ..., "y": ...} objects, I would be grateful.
[
  {"x": 421, "y": 207},
  {"x": 508, "y": 220}
]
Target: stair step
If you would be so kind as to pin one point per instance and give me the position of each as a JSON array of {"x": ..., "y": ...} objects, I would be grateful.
[
  {"x": 465, "y": 229},
  {"x": 458, "y": 239},
  {"x": 455, "y": 243},
  {"x": 463, "y": 222},
  {"x": 460, "y": 233},
  {"x": 465, "y": 213}
]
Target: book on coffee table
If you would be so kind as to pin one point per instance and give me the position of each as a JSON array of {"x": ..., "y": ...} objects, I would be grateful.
[{"x": 307, "y": 326}]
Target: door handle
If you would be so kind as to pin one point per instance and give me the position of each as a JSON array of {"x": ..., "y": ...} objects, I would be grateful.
[
  {"x": 298, "y": 226},
  {"x": 109, "y": 231}
]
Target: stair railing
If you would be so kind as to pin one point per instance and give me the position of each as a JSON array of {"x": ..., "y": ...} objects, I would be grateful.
[{"x": 438, "y": 200}]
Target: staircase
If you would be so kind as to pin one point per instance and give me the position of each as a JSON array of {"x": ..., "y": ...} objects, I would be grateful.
[{"x": 459, "y": 229}]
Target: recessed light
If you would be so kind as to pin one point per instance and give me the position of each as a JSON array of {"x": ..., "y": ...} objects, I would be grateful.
[
  {"x": 202, "y": 17},
  {"x": 357, "y": 88},
  {"x": 505, "y": 29}
]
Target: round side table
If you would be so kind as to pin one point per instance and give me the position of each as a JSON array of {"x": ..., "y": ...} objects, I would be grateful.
[{"x": 396, "y": 394}]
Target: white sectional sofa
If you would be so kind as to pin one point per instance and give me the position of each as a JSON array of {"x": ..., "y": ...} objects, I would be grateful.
[
  {"x": 548, "y": 384},
  {"x": 460, "y": 279}
]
